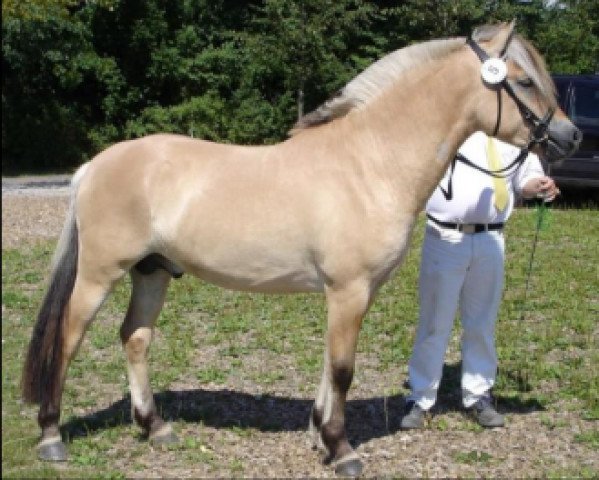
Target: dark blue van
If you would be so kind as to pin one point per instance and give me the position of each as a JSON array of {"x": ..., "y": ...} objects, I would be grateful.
[{"x": 578, "y": 96}]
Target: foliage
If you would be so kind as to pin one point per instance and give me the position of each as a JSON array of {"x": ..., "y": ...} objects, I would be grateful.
[
  {"x": 42, "y": 64},
  {"x": 79, "y": 75},
  {"x": 570, "y": 39}
]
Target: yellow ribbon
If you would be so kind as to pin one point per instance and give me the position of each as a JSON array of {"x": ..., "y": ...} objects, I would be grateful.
[{"x": 501, "y": 193}]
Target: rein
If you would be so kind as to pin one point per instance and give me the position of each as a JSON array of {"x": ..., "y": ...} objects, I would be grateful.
[
  {"x": 501, "y": 173},
  {"x": 538, "y": 134}
]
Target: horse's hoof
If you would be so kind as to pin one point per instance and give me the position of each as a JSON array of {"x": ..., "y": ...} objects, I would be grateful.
[
  {"x": 350, "y": 468},
  {"x": 166, "y": 439},
  {"x": 53, "y": 452}
]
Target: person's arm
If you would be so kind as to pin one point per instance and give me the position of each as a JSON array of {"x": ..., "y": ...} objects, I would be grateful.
[{"x": 532, "y": 182}]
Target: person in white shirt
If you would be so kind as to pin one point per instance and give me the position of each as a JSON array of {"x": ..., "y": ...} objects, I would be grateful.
[{"x": 462, "y": 267}]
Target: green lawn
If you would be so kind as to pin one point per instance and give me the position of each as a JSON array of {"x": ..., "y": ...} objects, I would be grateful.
[{"x": 548, "y": 345}]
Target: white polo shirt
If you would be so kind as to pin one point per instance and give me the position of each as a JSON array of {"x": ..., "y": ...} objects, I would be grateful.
[{"x": 473, "y": 193}]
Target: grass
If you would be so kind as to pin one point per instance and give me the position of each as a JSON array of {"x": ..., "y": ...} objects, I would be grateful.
[
  {"x": 473, "y": 457},
  {"x": 547, "y": 346},
  {"x": 591, "y": 438}
]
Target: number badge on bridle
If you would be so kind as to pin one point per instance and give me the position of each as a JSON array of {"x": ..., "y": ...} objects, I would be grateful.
[{"x": 493, "y": 71}]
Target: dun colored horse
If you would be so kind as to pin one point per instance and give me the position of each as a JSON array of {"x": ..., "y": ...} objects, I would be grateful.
[{"x": 330, "y": 210}]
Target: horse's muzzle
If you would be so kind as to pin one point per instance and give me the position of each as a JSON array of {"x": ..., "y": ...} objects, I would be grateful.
[{"x": 563, "y": 139}]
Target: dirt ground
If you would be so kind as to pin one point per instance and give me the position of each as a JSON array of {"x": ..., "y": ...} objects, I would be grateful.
[
  {"x": 535, "y": 443},
  {"x": 33, "y": 208}
]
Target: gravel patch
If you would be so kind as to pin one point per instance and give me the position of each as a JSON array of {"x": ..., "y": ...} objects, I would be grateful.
[
  {"x": 33, "y": 208},
  {"x": 28, "y": 219}
]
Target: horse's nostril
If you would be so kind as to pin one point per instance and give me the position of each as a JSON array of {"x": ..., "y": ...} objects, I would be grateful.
[{"x": 577, "y": 135}]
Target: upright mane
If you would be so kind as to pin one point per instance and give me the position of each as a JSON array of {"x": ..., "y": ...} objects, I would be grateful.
[
  {"x": 377, "y": 78},
  {"x": 382, "y": 74}
]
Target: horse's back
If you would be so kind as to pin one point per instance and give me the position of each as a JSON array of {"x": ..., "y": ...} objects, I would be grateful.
[{"x": 143, "y": 166}]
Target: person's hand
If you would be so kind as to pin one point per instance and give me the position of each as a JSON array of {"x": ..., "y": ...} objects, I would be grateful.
[{"x": 546, "y": 189}]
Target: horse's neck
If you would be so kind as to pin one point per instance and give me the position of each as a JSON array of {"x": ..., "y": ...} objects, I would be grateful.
[{"x": 417, "y": 128}]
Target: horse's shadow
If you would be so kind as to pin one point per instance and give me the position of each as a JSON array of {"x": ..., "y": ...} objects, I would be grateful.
[{"x": 367, "y": 419}]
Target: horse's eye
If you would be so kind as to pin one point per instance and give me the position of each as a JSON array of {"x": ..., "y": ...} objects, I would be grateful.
[{"x": 525, "y": 82}]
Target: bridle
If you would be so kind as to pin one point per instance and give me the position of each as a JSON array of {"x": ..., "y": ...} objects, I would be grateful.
[
  {"x": 540, "y": 126},
  {"x": 538, "y": 134}
]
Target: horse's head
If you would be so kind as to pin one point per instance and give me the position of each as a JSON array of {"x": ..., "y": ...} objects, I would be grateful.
[{"x": 516, "y": 101}]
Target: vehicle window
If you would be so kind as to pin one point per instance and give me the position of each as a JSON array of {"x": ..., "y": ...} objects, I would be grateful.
[
  {"x": 562, "y": 90},
  {"x": 584, "y": 106}
]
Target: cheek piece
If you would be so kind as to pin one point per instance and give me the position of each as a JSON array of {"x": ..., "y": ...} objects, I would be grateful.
[{"x": 494, "y": 73}]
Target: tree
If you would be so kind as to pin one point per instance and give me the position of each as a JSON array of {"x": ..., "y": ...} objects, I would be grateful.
[
  {"x": 300, "y": 52},
  {"x": 569, "y": 36},
  {"x": 45, "y": 53},
  {"x": 81, "y": 74}
]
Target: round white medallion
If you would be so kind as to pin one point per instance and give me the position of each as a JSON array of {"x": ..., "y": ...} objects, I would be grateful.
[{"x": 493, "y": 70}]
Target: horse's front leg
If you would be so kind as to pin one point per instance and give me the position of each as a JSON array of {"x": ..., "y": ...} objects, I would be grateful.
[{"x": 346, "y": 308}]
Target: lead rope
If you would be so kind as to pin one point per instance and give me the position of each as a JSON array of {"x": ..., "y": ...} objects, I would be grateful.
[
  {"x": 522, "y": 372},
  {"x": 541, "y": 208}
]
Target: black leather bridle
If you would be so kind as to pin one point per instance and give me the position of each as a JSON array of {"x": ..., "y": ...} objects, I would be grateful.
[
  {"x": 540, "y": 126},
  {"x": 538, "y": 133}
]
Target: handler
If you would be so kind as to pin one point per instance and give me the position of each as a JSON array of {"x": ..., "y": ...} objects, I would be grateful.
[{"x": 463, "y": 266}]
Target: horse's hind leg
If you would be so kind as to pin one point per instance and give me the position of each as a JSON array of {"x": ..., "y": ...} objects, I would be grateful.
[
  {"x": 147, "y": 298},
  {"x": 87, "y": 297},
  {"x": 346, "y": 308}
]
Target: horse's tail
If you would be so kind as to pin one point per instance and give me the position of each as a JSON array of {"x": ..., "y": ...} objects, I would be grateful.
[{"x": 41, "y": 373}]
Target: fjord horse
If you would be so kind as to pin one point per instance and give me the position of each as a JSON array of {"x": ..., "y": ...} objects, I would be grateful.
[{"x": 330, "y": 210}]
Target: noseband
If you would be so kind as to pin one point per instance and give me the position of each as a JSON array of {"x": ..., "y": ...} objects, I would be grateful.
[{"x": 538, "y": 134}]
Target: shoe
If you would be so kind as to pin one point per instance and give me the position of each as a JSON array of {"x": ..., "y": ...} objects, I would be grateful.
[
  {"x": 485, "y": 414},
  {"x": 413, "y": 416}
]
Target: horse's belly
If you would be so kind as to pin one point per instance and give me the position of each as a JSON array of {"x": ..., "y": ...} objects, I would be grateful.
[{"x": 257, "y": 273}]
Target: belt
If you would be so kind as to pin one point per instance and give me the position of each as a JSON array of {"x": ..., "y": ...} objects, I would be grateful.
[{"x": 467, "y": 227}]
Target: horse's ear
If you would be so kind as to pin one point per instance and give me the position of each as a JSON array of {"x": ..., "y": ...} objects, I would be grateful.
[{"x": 499, "y": 43}]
